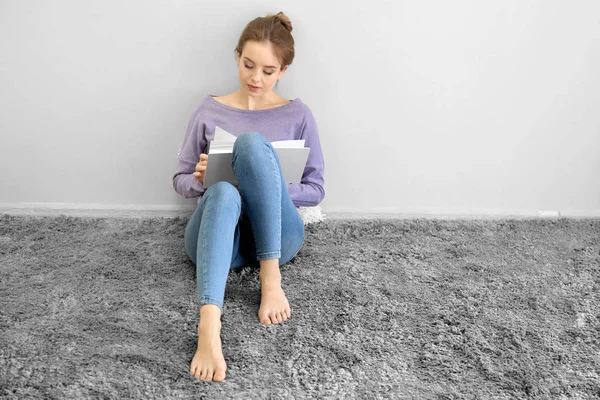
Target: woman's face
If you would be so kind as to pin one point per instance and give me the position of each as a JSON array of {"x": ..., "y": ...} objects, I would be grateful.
[{"x": 258, "y": 68}]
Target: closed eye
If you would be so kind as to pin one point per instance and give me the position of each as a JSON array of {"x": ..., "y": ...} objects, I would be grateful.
[{"x": 250, "y": 67}]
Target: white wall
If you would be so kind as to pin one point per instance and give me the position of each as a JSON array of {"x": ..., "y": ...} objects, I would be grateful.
[{"x": 422, "y": 105}]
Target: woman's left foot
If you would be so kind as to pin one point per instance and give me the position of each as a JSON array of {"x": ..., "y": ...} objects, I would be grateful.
[{"x": 274, "y": 306}]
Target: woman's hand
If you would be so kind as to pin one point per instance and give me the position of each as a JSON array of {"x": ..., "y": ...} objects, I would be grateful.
[{"x": 201, "y": 168}]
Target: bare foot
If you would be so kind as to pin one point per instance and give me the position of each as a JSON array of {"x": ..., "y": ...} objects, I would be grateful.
[
  {"x": 208, "y": 363},
  {"x": 274, "y": 306}
]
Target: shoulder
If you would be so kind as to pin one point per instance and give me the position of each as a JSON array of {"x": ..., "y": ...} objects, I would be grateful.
[
  {"x": 299, "y": 104},
  {"x": 304, "y": 111},
  {"x": 205, "y": 110},
  {"x": 301, "y": 109},
  {"x": 205, "y": 104},
  {"x": 226, "y": 100}
]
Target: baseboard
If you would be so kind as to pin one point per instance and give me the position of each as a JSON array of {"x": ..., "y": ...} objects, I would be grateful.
[
  {"x": 97, "y": 210},
  {"x": 167, "y": 210},
  {"x": 451, "y": 213}
]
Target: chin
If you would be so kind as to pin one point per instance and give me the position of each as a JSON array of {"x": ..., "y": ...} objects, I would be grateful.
[{"x": 254, "y": 94}]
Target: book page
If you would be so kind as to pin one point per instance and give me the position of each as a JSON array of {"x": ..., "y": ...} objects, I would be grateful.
[
  {"x": 292, "y": 157},
  {"x": 280, "y": 144},
  {"x": 222, "y": 135}
]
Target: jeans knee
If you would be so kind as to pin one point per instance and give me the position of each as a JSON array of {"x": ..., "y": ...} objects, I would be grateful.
[
  {"x": 248, "y": 142},
  {"x": 224, "y": 193},
  {"x": 249, "y": 138}
]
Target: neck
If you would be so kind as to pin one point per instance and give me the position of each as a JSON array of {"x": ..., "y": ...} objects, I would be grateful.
[{"x": 253, "y": 102}]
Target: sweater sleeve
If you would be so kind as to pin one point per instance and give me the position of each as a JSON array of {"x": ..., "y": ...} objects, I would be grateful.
[
  {"x": 194, "y": 143},
  {"x": 310, "y": 191}
]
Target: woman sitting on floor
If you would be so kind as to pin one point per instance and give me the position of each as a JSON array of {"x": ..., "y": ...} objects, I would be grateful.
[{"x": 257, "y": 222}]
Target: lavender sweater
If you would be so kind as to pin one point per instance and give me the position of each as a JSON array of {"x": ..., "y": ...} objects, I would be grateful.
[{"x": 290, "y": 121}]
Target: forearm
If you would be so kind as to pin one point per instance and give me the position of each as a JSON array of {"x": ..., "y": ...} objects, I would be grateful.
[
  {"x": 187, "y": 185},
  {"x": 306, "y": 194}
]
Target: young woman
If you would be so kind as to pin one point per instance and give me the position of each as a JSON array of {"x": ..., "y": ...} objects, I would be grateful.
[{"x": 255, "y": 222}]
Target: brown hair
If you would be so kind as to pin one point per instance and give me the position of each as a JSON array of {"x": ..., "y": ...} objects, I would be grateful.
[{"x": 275, "y": 28}]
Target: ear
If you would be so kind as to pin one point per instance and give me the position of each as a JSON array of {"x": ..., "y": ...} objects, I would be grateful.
[
  {"x": 282, "y": 71},
  {"x": 237, "y": 58}
]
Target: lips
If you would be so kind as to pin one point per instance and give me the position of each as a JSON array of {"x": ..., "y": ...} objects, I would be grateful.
[{"x": 253, "y": 87}]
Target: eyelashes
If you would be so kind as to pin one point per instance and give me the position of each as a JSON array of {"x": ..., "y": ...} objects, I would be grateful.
[{"x": 250, "y": 67}]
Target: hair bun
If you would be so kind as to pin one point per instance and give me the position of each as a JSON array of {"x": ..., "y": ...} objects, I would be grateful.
[{"x": 284, "y": 19}]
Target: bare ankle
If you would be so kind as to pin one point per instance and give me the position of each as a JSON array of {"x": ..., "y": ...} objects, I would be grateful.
[
  {"x": 269, "y": 272},
  {"x": 210, "y": 316}
]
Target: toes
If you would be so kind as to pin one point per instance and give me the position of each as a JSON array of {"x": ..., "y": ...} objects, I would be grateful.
[
  {"x": 274, "y": 318},
  {"x": 204, "y": 374},
  {"x": 219, "y": 375},
  {"x": 210, "y": 374},
  {"x": 207, "y": 374},
  {"x": 277, "y": 317},
  {"x": 262, "y": 316},
  {"x": 283, "y": 316},
  {"x": 195, "y": 370}
]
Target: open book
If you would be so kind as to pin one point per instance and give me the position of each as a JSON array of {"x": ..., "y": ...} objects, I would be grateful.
[{"x": 291, "y": 153}]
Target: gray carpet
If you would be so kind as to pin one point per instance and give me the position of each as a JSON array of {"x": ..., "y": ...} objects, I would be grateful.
[{"x": 105, "y": 308}]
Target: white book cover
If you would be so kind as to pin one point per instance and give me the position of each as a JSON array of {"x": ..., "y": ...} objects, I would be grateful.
[{"x": 291, "y": 153}]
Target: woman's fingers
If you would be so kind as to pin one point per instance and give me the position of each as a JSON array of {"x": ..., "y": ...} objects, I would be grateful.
[
  {"x": 200, "y": 167},
  {"x": 199, "y": 176}
]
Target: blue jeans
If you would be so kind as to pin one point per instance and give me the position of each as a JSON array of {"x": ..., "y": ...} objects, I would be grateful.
[{"x": 231, "y": 229}]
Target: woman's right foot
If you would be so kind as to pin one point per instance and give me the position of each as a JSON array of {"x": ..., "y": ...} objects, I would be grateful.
[{"x": 208, "y": 363}]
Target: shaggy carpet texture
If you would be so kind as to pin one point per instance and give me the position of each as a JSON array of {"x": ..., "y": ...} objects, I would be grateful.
[{"x": 426, "y": 309}]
